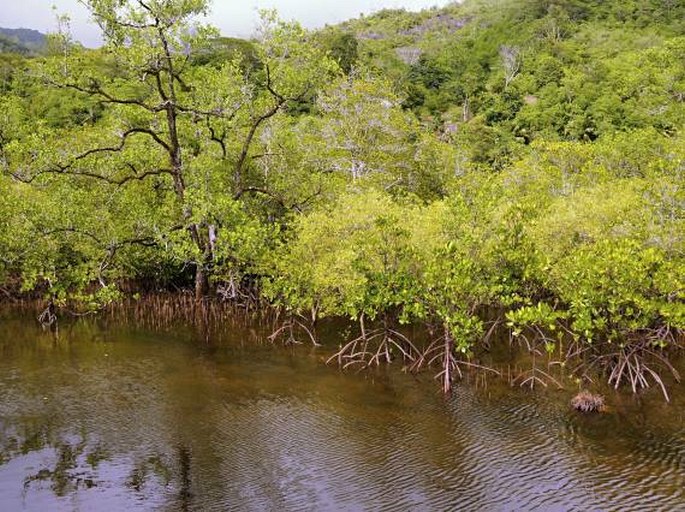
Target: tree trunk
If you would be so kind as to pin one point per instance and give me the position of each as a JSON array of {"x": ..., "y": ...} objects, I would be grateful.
[
  {"x": 447, "y": 375},
  {"x": 201, "y": 282}
]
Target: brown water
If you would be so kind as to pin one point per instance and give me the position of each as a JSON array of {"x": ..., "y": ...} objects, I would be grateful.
[{"x": 123, "y": 419}]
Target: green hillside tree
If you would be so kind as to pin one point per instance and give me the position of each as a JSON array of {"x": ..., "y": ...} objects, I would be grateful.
[{"x": 185, "y": 132}]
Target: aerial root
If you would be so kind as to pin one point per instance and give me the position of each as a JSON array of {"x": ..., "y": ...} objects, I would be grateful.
[
  {"x": 633, "y": 365},
  {"x": 374, "y": 347},
  {"x": 535, "y": 376},
  {"x": 48, "y": 318},
  {"x": 441, "y": 352},
  {"x": 289, "y": 328}
]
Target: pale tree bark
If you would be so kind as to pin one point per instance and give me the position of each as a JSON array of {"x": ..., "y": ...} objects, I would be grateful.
[{"x": 511, "y": 61}]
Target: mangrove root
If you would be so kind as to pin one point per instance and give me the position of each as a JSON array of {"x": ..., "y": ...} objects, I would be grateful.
[
  {"x": 371, "y": 348},
  {"x": 535, "y": 376},
  {"x": 48, "y": 318},
  {"x": 441, "y": 351},
  {"x": 287, "y": 331}
]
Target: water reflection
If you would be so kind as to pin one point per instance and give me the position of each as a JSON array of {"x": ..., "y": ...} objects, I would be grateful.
[
  {"x": 65, "y": 477},
  {"x": 109, "y": 419}
]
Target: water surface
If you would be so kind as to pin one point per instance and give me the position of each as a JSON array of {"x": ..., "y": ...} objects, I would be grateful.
[{"x": 114, "y": 418}]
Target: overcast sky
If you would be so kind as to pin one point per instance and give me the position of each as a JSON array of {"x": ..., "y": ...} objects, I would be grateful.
[{"x": 232, "y": 17}]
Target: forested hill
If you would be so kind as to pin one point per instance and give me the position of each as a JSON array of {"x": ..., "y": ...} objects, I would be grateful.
[
  {"x": 510, "y": 71},
  {"x": 21, "y": 40}
]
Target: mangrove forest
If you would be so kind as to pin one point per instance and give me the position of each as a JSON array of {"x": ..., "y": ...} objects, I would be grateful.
[
  {"x": 428, "y": 260},
  {"x": 515, "y": 165}
]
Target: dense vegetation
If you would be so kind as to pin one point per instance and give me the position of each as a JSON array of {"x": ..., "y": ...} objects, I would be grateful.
[{"x": 525, "y": 157}]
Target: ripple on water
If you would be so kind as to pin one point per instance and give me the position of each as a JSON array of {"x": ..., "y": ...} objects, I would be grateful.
[{"x": 266, "y": 430}]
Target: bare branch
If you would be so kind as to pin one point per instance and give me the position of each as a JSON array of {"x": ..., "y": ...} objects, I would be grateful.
[
  {"x": 221, "y": 140},
  {"x": 88, "y": 174},
  {"x": 259, "y": 190},
  {"x": 68, "y": 168},
  {"x": 252, "y": 132},
  {"x": 95, "y": 89}
]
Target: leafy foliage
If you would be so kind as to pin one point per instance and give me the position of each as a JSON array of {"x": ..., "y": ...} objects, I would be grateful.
[{"x": 523, "y": 156}]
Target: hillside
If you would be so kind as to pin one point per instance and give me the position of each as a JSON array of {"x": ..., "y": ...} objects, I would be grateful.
[
  {"x": 503, "y": 73},
  {"x": 21, "y": 40}
]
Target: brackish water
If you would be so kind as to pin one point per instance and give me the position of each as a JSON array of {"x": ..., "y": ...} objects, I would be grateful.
[{"x": 118, "y": 418}]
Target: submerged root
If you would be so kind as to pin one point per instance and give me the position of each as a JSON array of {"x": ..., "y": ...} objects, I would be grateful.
[{"x": 587, "y": 402}]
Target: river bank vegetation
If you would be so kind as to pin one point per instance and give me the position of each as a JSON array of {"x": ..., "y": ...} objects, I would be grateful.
[{"x": 487, "y": 164}]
